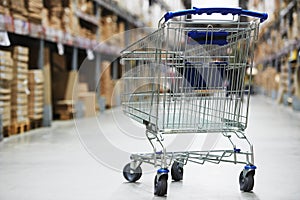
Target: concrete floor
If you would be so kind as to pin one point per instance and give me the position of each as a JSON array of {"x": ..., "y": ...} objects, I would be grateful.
[{"x": 54, "y": 163}]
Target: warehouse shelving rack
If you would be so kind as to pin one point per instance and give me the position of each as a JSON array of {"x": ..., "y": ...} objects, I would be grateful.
[
  {"x": 44, "y": 35},
  {"x": 281, "y": 57}
]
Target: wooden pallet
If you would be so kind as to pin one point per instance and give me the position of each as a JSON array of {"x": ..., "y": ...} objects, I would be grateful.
[
  {"x": 65, "y": 116},
  {"x": 17, "y": 128},
  {"x": 64, "y": 110},
  {"x": 36, "y": 123}
]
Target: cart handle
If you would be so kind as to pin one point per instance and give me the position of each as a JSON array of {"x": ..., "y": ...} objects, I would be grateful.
[{"x": 223, "y": 11}]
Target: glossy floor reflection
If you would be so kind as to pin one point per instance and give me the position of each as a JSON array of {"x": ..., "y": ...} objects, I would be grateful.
[{"x": 56, "y": 164}]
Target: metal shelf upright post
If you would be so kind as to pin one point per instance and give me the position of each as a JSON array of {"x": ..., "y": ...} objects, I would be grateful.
[{"x": 47, "y": 114}]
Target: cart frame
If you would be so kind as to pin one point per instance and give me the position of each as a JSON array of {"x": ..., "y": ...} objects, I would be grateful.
[{"x": 188, "y": 77}]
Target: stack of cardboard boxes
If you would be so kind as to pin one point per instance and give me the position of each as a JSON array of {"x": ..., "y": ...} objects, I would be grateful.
[
  {"x": 64, "y": 94},
  {"x": 4, "y": 6},
  {"x": 34, "y": 8},
  {"x": 278, "y": 40},
  {"x": 6, "y": 76},
  {"x": 112, "y": 31},
  {"x": 86, "y": 7},
  {"x": 36, "y": 95},
  {"x": 88, "y": 100},
  {"x": 87, "y": 30},
  {"x": 64, "y": 85},
  {"x": 19, "y": 110},
  {"x": 54, "y": 13},
  {"x": 18, "y": 9},
  {"x": 108, "y": 26},
  {"x": 268, "y": 79},
  {"x": 70, "y": 22}
]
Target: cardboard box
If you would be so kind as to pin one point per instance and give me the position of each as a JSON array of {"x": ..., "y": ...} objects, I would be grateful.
[
  {"x": 6, "y": 61},
  {"x": 6, "y": 76},
  {"x": 5, "y": 87},
  {"x": 83, "y": 88},
  {"x": 21, "y": 50},
  {"x": 22, "y": 58},
  {"x": 64, "y": 85},
  {"x": 20, "y": 65},
  {"x": 89, "y": 102},
  {"x": 5, "y": 111},
  {"x": 35, "y": 77},
  {"x": 19, "y": 85}
]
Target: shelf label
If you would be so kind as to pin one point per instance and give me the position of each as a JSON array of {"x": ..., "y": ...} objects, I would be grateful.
[
  {"x": 60, "y": 48},
  {"x": 90, "y": 54},
  {"x": 4, "y": 40}
]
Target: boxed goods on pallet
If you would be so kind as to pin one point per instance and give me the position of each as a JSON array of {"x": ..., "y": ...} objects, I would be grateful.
[
  {"x": 109, "y": 27},
  {"x": 89, "y": 103},
  {"x": 269, "y": 81},
  {"x": 55, "y": 9},
  {"x": 88, "y": 100},
  {"x": 63, "y": 85},
  {"x": 121, "y": 34},
  {"x": 70, "y": 22},
  {"x": 45, "y": 17},
  {"x": 4, "y": 4},
  {"x": 34, "y": 8},
  {"x": 83, "y": 88},
  {"x": 65, "y": 109},
  {"x": 19, "y": 85},
  {"x": 5, "y": 66},
  {"x": 6, "y": 76},
  {"x": 36, "y": 94},
  {"x": 86, "y": 7},
  {"x": 18, "y": 10},
  {"x": 5, "y": 105}
]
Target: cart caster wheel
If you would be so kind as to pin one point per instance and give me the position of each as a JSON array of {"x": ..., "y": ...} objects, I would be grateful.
[
  {"x": 161, "y": 185},
  {"x": 177, "y": 171},
  {"x": 132, "y": 175},
  {"x": 246, "y": 182}
]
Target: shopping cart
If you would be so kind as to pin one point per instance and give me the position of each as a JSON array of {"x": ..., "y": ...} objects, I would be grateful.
[{"x": 188, "y": 77}]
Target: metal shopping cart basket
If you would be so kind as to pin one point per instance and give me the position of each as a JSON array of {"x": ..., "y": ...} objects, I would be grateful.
[{"x": 188, "y": 77}]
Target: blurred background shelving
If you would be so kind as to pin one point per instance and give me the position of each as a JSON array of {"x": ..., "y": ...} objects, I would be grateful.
[
  {"x": 277, "y": 54},
  {"x": 58, "y": 37}
]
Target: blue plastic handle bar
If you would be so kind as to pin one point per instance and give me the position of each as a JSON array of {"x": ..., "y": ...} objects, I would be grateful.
[{"x": 223, "y": 11}]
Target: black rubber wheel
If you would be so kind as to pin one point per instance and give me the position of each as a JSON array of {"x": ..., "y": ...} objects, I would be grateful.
[
  {"x": 176, "y": 171},
  {"x": 161, "y": 185},
  {"x": 246, "y": 183},
  {"x": 132, "y": 176}
]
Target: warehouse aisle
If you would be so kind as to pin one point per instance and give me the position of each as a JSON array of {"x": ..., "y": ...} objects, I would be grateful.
[{"x": 52, "y": 163}]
